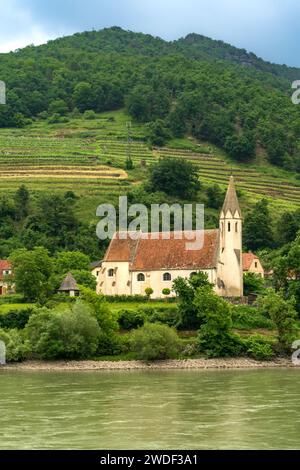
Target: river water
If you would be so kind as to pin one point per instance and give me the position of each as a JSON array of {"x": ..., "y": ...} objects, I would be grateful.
[{"x": 150, "y": 410}]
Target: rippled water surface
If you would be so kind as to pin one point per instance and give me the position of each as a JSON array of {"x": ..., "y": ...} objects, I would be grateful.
[{"x": 150, "y": 410}]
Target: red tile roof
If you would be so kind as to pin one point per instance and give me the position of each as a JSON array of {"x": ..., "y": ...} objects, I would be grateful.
[
  {"x": 148, "y": 254},
  {"x": 4, "y": 266},
  {"x": 248, "y": 259}
]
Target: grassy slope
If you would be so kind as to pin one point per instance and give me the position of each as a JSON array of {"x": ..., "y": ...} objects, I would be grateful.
[{"x": 88, "y": 157}]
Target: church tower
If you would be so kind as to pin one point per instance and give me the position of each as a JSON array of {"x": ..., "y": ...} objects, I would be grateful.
[{"x": 230, "y": 269}]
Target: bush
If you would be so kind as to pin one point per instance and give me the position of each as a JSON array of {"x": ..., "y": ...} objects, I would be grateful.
[
  {"x": 11, "y": 299},
  {"x": 131, "y": 319},
  {"x": 155, "y": 342},
  {"x": 16, "y": 348},
  {"x": 16, "y": 319},
  {"x": 245, "y": 317},
  {"x": 167, "y": 316},
  {"x": 72, "y": 333},
  {"x": 89, "y": 114},
  {"x": 113, "y": 344},
  {"x": 214, "y": 343},
  {"x": 259, "y": 347},
  {"x": 125, "y": 298}
]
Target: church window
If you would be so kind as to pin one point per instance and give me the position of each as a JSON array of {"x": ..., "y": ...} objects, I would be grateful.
[
  {"x": 229, "y": 227},
  {"x": 236, "y": 227},
  {"x": 111, "y": 273},
  {"x": 141, "y": 277},
  {"x": 255, "y": 264},
  {"x": 167, "y": 277}
]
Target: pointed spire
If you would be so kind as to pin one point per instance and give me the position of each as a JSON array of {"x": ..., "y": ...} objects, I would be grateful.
[{"x": 231, "y": 202}]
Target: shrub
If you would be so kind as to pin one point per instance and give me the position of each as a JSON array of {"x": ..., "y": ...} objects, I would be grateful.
[
  {"x": 154, "y": 342},
  {"x": 113, "y": 344},
  {"x": 149, "y": 291},
  {"x": 16, "y": 348},
  {"x": 11, "y": 299},
  {"x": 17, "y": 319},
  {"x": 89, "y": 114},
  {"x": 245, "y": 317},
  {"x": 167, "y": 316},
  {"x": 259, "y": 347},
  {"x": 214, "y": 343},
  {"x": 64, "y": 334},
  {"x": 131, "y": 319}
]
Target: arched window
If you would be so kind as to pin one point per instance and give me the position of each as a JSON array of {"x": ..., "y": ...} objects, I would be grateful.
[
  {"x": 141, "y": 277},
  {"x": 236, "y": 227},
  {"x": 222, "y": 227},
  {"x": 229, "y": 227},
  {"x": 167, "y": 277},
  {"x": 111, "y": 273}
]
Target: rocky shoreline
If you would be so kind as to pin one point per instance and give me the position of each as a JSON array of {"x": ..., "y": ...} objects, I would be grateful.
[{"x": 188, "y": 364}]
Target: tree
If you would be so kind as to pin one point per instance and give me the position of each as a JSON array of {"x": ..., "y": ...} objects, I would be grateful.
[
  {"x": 149, "y": 291},
  {"x": 215, "y": 196},
  {"x": 154, "y": 341},
  {"x": 241, "y": 148},
  {"x": 83, "y": 96},
  {"x": 258, "y": 232},
  {"x": 287, "y": 227},
  {"x": 253, "y": 284},
  {"x": 107, "y": 320},
  {"x": 32, "y": 273},
  {"x": 185, "y": 290},
  {"x": 282, "y": 312},
  {"x": 144, "y": 103},
  {"x": 64, "y": 333},
  {"x": 71, "y": 260},
  {"x": 58, "y": 107},
  {"x": 21, "y": 200},
  {"x": 215, "y": 338},
  {"x": 175, "y": 176},
  {"x": 158, "y": 133}
]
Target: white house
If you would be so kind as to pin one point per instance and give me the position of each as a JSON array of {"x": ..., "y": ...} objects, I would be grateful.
[{"x": 132, "y": 265}]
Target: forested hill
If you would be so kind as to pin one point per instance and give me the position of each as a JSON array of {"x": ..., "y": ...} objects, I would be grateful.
[{"x": 193, "y": 86}]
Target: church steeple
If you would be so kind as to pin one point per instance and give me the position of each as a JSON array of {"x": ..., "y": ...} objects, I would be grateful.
[
  {"x": 231, "y": 202},
  {"x": 230, "y": 254}
]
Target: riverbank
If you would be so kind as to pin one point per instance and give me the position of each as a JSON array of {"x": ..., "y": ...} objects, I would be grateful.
[{"x": 191, "y": 364}]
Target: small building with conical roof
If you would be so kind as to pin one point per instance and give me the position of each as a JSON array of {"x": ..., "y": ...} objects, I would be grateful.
[{"x": 69, "y": 286}]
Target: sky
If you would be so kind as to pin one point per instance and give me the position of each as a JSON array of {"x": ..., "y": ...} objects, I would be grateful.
[{"x": 269, "y": 28}]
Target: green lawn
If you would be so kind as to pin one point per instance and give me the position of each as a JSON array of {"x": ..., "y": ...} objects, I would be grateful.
[
  {"x": 5, "y": 308},
  {"x": 117, "y": 306}
]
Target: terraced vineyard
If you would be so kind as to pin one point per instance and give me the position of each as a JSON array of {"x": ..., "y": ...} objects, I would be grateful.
[{"x": 88, "y": 157}]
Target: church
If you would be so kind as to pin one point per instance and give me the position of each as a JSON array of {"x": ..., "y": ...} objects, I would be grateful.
[{"x": 132, "y": 265}]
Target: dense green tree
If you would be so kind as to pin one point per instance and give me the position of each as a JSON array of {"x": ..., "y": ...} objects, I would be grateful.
[
  {"x": 32, "y": 273},
  {"x": 64, "y": 333},
  {"x": 175, "y": 176},
  {"x": 258, "y": 230},
  {"x": 154, "y": 341},
  {"x": 282, "y": 312},
  {"x": 21, "y": 201},
  {"x": 185, "y": 290}
]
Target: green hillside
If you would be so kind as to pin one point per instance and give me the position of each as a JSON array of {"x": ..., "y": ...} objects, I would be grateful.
[{"x": 88, "y": 157}]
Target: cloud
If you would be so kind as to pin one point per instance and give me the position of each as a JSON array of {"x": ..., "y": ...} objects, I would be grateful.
[{"x": 266, "y": 27}]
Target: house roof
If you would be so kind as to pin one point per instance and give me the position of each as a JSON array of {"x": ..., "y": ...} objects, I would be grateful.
[
  {"x": 231, "y": 202},
  {"x": 4, "y": 266},
  {"x": 68, "y": 284},
  {"x": 248, "y": 259},
  {"x": 151, "y": 252},
  {"x": 95, "y": 264}
]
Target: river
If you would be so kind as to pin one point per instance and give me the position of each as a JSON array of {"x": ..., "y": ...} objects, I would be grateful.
[{"x": 235, "y": 409}]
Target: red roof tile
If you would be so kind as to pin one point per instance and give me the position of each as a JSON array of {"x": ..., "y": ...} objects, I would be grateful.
[
  {"x": 5, "y": 265},
  {"x": 148, "y": 254},
  {"x": 248, "y": 259}
]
